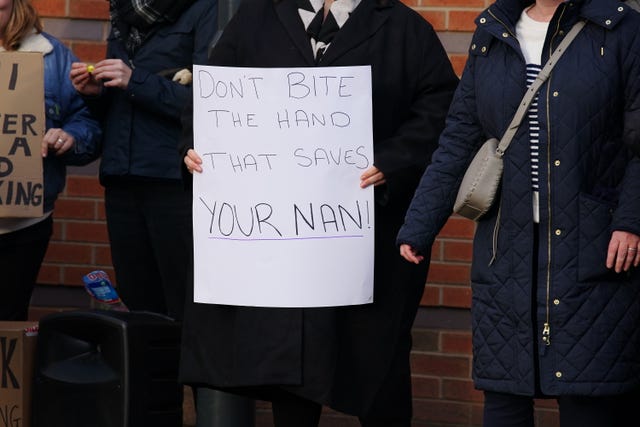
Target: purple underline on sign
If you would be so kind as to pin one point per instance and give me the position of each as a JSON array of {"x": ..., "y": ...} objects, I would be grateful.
[{"x": 353, "y": 236}]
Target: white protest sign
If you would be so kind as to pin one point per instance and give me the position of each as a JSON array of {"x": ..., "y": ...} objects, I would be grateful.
[{"x": 279, "y": 217}]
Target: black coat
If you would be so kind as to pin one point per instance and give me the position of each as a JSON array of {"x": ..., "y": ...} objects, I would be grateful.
[{"x": 344, "y": 357}]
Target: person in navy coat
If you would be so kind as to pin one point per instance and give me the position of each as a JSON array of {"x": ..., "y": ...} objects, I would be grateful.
[
  {"x": 139, "y": 92},
  {"x": 554, "y": 278},
  {"x": 354, "y": 359}
]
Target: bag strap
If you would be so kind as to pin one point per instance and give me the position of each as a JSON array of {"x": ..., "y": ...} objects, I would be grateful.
[{"x": 535, "y": 86}]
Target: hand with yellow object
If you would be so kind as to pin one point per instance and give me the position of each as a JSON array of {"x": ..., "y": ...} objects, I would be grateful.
[
  {"x": 83, "y": 78},
  {"x": 110, "y": 73}
]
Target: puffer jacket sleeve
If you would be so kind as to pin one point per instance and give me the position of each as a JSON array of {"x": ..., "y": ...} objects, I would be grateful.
[
  {"x": 626, "y": 216},
  {"x": 434, "y": 198}
]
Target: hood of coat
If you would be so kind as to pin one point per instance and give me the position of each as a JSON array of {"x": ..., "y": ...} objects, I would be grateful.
[{"x": 605, "y": 13}]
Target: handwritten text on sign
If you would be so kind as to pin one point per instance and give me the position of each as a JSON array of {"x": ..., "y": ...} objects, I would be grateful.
[
  {"x": 279, "y": 217},
  {"x": 21, "y": 131}
]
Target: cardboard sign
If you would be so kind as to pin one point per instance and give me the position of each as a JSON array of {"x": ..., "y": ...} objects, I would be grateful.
[
  {"x": 17, "y": 346},
  {"x": 279, "y": 217},
  {"x": 22, "y": 127}
]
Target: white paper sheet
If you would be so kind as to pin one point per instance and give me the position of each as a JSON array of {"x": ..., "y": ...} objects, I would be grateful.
[{"x": 279, "y": 217}]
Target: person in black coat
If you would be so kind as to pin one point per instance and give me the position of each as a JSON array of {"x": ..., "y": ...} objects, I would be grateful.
[{"x": 354, "y": 359}]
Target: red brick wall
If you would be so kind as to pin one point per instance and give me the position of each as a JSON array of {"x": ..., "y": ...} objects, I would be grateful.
[{"x": 441, "y": 360}]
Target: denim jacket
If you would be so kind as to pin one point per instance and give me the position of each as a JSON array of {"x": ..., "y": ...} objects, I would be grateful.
[{"x": 65, "y": 109}]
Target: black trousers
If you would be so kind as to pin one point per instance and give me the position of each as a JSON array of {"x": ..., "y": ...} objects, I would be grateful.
[
  {"x": 21, "y": 254},
  {"x": 290, "y": 410},
  {"x": 506, "y": 410},
  {"x": 150, "y": 228}
]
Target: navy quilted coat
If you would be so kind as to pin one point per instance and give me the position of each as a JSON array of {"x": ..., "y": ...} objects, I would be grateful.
[{"x": 589, "y": 112}]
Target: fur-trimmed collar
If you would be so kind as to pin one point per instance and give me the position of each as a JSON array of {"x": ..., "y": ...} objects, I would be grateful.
[{"x": 34, "y": 42}]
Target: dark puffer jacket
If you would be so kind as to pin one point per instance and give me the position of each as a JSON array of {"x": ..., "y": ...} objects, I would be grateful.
[{"x": 589, "y": 112}]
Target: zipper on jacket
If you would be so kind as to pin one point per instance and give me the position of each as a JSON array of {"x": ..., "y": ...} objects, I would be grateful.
[
  {"x": 496, "y": 229},
  {"x": 496, "y": 226},
  {"x": 506, "y": 27},
  {"x": 546, "y": 335},
  {"x": 546, "y": 330}
]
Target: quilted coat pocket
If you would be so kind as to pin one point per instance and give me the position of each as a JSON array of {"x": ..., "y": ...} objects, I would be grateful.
[{"x": 594, "y": 235}]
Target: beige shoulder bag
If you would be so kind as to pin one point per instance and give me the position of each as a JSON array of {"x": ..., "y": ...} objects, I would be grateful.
[{"x": 481, "y": 180}]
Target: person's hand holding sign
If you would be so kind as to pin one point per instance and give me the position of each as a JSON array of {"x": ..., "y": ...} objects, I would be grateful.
[
  {"x": 192, "y": 161},
  {"x": 372, "y": 176}
]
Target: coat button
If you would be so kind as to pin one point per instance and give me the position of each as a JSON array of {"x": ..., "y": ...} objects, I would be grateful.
[
  {"x": 556, "y": 302},
  {"x": 505, "y": 35},
  {"x": 608, "y": 22},
  {"x": 484, "y": 49},
  {"x": 558, "y": 232},
  {"x": 556, "y": 163},
  {"x": 483, "y": 20},
  {"x": 620, "y": 8},
  {"x": 473, "y": 46},
  {"x": 558, "y": 374},
  {"x": 555, "y": 94}
]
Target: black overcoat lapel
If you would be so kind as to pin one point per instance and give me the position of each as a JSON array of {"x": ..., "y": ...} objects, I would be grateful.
[
  {"x": 287, "y": 11},
  {"x": 365, "y": 21}
]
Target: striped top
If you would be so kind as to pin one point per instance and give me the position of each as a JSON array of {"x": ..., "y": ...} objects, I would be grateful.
[
  {"x": 534, "y": 127},
  {"x": 531, "y": 35}
]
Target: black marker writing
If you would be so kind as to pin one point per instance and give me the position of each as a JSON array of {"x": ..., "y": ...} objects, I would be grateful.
[
  {"x": 20, "y": 193},
  {"x": 240, "y": 162},
  {"x": 10, "y": 416},
  {"x": 336, "y": 218},
  {"x": 308, "y": 157},
  {"x": 10, "y": 124},
  {"x": 302, "y": 85},
  {"x": 227, "y": 220},
  {"x": 234, "y": 118},
  {"x": 13, "y": 80},
  {"x": 301, "y": 118},
  {"x": 237, "y": 88}
]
